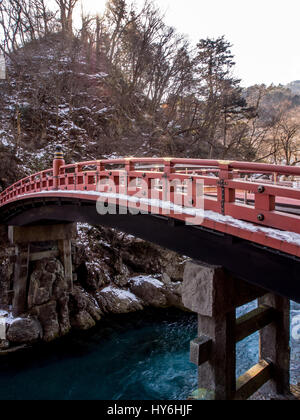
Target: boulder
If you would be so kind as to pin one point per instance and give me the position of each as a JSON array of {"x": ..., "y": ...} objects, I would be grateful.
[
  {"x": 173, "y": 296},
  {"x": 121, "y": 279},
  {"x": 82, "y": 321},
  {"x": 4, "y": 345},
  {"x": 80, "y": 301},
  {"x": 47, "y": 315},
  {"x": 63, "y": 315},
  {"x": 118, "y": 301},
  {"x": 46, "y": 282},
  {"x": 143, "y": 256},
  {"x": 24, "y": 330},
  {"x": 172, "y": 266},
  {"x": 166, "y": 279},
  {"x": 93, "y": 275},
  {"x": 150, "y": 290}
]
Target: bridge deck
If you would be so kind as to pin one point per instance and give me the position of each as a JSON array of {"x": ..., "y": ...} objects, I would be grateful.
[{"x": 231, "y": 212}]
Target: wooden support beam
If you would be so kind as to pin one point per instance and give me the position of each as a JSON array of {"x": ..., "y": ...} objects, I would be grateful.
[
  {"x": 36, "y": 256},
  {"x": 21, "y": 279},
  {"x": 254, "y": 321},
  {"x": 253, "y": 380},
  {"x": 200, "y": 350},
  {"x": 44, "y": 233},
  {"x": 275, "y": 343}
]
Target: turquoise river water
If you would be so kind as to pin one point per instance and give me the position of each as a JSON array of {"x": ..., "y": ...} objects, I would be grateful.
[{"x": 143, "y": 356}]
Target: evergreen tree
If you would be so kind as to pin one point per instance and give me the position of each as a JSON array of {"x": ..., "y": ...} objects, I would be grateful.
[{"x": 218, "y": 92}]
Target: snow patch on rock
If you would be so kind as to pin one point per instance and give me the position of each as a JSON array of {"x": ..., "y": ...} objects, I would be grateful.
[
  {"x": 120, "y": 293},
  {"x": 8, "y": 317},
  {"x": 139, "y": 280}
]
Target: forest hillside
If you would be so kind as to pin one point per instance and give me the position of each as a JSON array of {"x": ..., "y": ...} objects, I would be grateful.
[{"x": 126, "y": 84}]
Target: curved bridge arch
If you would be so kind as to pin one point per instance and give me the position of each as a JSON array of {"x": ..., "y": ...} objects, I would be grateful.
[{"x": 251, "y": 224}]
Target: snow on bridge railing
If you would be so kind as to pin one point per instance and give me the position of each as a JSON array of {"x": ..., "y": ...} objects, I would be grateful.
[{"x": 246, "y": 191}]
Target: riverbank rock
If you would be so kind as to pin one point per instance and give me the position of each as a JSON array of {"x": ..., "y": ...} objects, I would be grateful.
[
  {"x": 106, "y": 264},
  {"x": 84, "y": 309},
  {"x": 4, "y": 345},
  {"x": 118, "y": 301},
  {"x": 24, "y": 330},
  {"x": 82, "y": 321},
  {"x": 174, "y": 296},
  {"x": 46, "y": 282},
  {"x": 149, "y": 290},
  {"x": 63, "y": 314},
  {"x": 122, "y": 278},
  {"x": 142, "y": 256},
  {"x": 48, "y": 317},
  {"x": 156, "y": 293}
]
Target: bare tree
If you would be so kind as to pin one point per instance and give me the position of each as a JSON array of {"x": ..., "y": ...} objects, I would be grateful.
[
  {"x": 284, "y": 142},
  {"x": 66, "y": 8},
  {"x": 22, "y": 21},
  {"x": 10, "y": 21}
]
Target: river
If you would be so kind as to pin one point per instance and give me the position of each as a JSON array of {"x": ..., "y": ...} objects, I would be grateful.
[{"x": 142, "y": 356}]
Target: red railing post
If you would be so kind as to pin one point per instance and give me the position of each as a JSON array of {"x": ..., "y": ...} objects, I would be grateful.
[
  {"x": 168, "y": 166},
  {"x": 225, "y": 194},
  {"x": 264, "y": 203},
  {"x": 166, "y": 186},
  {"x": 129, "y": 165},
  {"x": 100, "y": 166},
  {"x": 58, "y": 162}
]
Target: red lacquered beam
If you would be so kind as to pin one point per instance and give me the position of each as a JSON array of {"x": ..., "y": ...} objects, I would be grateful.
[{"x": 263, "y": 167}]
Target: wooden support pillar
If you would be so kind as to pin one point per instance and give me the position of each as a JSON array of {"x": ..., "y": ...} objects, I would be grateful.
[
  {"x": 218, "y": 374},
  {"x": 21, "y": 279},
  {"x": 275, "y": 343},
  {"x": 209, "y": 292},
  {"x": 215, "y": 295},
  {"x": 22, "y": 237},
  {"x": 65, "y": 249}
]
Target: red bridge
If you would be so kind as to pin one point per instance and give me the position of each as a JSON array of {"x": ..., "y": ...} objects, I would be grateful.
[
  {"x": 239, "y": 222},
  {"x": 251, "y": 217}
]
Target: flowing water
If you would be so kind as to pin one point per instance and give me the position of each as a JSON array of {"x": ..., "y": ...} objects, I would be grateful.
[{"x": 142, "y": 356}]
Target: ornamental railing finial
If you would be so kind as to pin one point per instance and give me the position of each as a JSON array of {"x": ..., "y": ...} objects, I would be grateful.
[{"x": 58, "y": 162}]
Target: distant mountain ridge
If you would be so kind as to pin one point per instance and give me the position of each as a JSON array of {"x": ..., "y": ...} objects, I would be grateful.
[{"x": 294, "y": 87}]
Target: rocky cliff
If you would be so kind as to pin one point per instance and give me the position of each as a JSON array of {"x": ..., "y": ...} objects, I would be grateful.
[{"x": 113, "y": 273}]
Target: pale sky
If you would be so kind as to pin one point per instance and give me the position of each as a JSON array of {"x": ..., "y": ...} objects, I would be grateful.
[{"x": 265, "y": 33}]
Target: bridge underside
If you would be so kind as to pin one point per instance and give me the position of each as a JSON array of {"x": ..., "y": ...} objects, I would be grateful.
[{"x": 264, "y": 267}]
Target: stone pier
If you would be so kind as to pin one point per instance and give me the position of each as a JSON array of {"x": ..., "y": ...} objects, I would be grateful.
[
  {"x": 214, "y": 295},
  {"x": 34, "y": 243}
]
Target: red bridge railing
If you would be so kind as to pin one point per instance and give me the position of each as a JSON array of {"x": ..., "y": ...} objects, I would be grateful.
[{"x": 258, "y": 193}]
